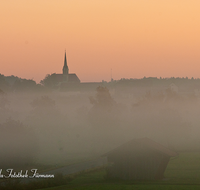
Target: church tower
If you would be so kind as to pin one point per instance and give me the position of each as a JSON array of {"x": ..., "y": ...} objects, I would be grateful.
[{"x": 65, "y": 70}]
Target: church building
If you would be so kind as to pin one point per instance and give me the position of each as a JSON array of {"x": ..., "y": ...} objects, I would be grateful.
[
  {"x": 66, "y": 77},
  {"x": 70, "y": 81}
]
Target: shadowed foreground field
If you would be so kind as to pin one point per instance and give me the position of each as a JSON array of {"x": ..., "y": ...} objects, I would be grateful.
[{"x": 183, "y": 172}]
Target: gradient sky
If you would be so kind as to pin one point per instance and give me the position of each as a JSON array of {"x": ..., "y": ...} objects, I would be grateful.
[{"x": 136, "y": 38}]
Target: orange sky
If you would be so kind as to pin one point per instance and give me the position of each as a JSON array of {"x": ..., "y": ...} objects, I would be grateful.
[{"x": 135, "y": 38}]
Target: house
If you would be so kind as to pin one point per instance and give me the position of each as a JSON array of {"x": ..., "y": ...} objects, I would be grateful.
[{"x": 139, "y": 159}]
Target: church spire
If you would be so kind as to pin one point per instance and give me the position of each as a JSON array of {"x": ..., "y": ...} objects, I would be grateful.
[
  {"x": 65, "y": 62},
  {"x": 65, "y": 69}
]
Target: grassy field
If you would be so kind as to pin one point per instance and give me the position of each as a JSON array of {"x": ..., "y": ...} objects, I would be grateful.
[{"x": 183, "y": 172}]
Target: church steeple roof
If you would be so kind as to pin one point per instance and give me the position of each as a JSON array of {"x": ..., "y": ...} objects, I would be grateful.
[
  {"x": 65, "y": 62},
  {"x": 65, "y": 67}
]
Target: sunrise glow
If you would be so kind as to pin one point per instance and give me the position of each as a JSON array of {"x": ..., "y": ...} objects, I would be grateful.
[{"x": 133, "y": 38}]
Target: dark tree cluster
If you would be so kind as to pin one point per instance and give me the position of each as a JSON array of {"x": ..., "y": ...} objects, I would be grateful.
[
  {"x": 102, "y": 98},
  {"x": 49, "y": 81},
  {"x": 18, "y": 144},
  {"x": 16, "y": 84}
]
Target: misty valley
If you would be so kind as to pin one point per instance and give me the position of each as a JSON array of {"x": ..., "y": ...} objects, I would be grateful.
[
  {"x": 63, "y": 127},
  {"x": 50, "y": 128}
]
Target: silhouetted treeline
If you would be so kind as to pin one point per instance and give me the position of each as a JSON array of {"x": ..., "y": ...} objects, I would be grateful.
[
  {"x": 158, "y": 81},
  {"x": 16, "y": 84}
]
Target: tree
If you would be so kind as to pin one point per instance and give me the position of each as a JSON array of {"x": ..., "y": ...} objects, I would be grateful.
[
  {"x": 44, "y": 101},
  {"x": 105, "y": 112},
  {"x": 18, "y": 143},
  {"x": 49, "y": 81},
  {"x": 102, "y": 98},
  {"x": 24, "y": 84},
  {"x": 3, "y": 84},
  {"x": 3, "y": 100},
  {"x": 44, "y": 106}
]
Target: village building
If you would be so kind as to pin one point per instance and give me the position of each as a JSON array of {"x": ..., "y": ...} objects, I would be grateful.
[{"x": 139, "y": 159}]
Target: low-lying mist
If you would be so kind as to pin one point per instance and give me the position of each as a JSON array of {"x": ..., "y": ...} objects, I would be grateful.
[{"x": 66, "y": 127}]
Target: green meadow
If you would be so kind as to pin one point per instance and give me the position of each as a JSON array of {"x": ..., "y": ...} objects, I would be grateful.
[{"x": 182, "y": 172}]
